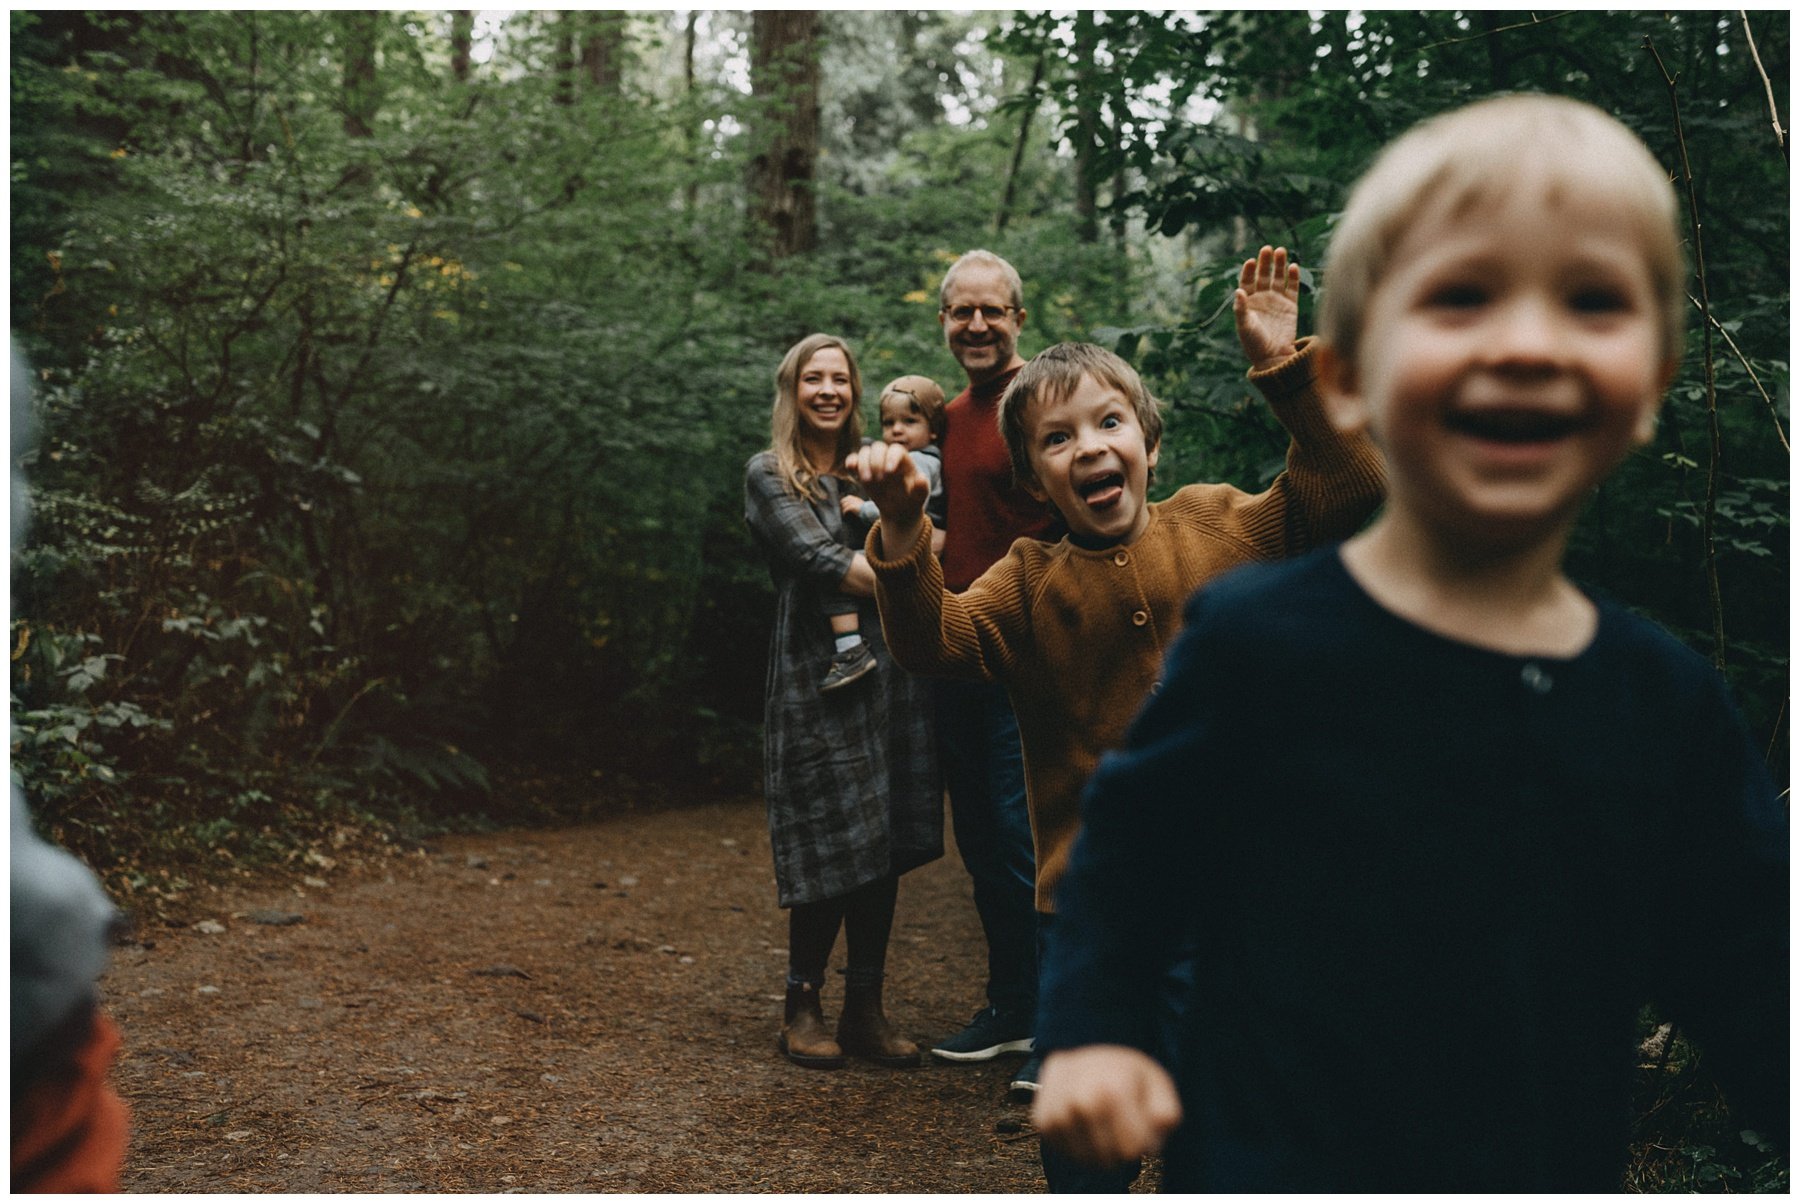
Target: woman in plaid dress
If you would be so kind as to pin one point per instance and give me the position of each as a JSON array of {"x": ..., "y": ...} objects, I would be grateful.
[{"x": 851, "y": 777}]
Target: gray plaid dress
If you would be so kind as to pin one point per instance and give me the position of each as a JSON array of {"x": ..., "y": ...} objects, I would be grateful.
[{"x": 851, "y": 777}]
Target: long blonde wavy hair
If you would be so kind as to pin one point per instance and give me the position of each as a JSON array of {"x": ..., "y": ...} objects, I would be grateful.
[{"x": 785, "y": 435}]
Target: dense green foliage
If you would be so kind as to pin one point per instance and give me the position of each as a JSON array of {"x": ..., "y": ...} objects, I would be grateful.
[
  {"x": 1306, "y": 105},
  {"x": 390, "y": 415},
  {"x": 388, "y": 431},
  {"x": 390, "y": 411}
]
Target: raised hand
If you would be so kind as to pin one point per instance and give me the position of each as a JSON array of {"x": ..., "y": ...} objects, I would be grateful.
[
  {"x": 1105, "y": 1104},
  {"x": 898, "y": 489},
  {"x": 1267, "y": 307}
]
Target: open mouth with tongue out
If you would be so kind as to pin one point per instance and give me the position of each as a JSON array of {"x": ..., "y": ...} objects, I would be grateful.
[{"x": 1104, "y": 491}]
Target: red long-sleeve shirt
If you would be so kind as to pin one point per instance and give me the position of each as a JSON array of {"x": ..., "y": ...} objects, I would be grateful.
[{"x": 986, "y": 511}]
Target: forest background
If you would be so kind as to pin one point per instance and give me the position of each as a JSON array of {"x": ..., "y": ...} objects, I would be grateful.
[{"x": 394, "y": 372}]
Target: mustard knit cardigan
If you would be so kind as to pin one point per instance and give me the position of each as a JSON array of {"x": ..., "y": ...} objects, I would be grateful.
[{"x": 1077, "y": 636}]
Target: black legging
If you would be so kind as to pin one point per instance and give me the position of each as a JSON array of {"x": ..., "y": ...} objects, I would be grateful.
[{"x": 866, "y": 915}]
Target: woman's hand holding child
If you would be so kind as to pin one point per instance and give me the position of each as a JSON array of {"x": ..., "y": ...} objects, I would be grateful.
[
  {"x": 1105, "y": 1104},
  {"x": 898, "y": 489}
]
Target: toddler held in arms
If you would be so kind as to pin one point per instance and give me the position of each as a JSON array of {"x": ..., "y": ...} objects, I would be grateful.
[{"x": 912, "y": 416}]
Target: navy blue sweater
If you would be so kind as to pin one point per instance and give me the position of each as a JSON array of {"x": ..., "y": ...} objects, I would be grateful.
[{"x": 1430, "y": 886}]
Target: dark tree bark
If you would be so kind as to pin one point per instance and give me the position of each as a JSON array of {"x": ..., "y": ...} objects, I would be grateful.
[
  {"x": 693, "y": 129},
  {"x": 690, "y": 39},
  {"x": 361, "y": 99},
  {"x": 603, "y": 51},
  {"x": 563, "y": 60},
  {"x": 462, "y": 37},
  {"x": 784, "y": 79},
  {"x": 1498, "y": 64}
]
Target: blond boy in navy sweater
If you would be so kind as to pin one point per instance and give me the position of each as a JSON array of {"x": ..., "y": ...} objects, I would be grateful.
[{"x": 1461, "y": 819}]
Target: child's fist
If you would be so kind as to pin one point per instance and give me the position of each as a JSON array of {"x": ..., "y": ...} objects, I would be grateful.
[
  {"x": 898, "y": 489},
  {"x": 851, "y": 505},
  {"x": 892, "y": 481},
  {"x": 1105, "y": 1105}
]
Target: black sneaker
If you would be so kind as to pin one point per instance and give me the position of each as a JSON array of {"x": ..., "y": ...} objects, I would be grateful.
[
  {"x": 1023, "y": 1088},
  {"x": 853, "y": 664},
  {"x": 988, "y": 1036}
]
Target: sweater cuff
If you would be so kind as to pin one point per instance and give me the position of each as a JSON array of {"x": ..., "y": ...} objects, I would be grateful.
[
  {"x": 913, "y": 559},
  {"x": 1295, "y": 374},
  {"x": 1292, "y": 389}
]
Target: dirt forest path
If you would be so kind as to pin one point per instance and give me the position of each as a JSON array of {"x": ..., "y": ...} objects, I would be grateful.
[{"x": 588, "y": 1009}]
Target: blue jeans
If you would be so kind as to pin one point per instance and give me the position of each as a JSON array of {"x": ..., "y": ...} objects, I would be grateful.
[
  {"x": 1065, "y": 1176},
  {"x": 978, "y": 747}
]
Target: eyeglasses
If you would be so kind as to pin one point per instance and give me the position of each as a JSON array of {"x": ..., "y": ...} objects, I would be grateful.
[{"x": 962, "y": 315}]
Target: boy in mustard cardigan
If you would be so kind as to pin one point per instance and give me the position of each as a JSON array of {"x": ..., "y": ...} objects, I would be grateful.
[{"x": 1076, "y": 630}]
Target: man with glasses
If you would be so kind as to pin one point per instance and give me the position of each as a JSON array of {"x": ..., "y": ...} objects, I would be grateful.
[{"x": 981, "y": 309}]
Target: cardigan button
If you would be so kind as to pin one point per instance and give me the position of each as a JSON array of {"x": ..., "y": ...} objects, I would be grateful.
[
  {"x": 1121, "y": 558},
  {"x": 1139, "y": 617},
  {"x": 1535, "y": 679}
]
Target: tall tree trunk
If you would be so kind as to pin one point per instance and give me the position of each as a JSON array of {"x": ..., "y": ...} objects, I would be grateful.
[
  {"x": 563, "y": 58},
  {"x": 1499, "y": 66},
  {"x": 603, "y": 51},
  {"x": 360, "y": 97},
  {"x": 1087, "y": 129},
  {"x": 462, "y": 40},
  {"x": 784, "y": 80},
  {"x": 693, "y": 129}
]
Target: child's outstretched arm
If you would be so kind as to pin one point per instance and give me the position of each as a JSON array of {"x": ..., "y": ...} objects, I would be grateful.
[
  {"x": 1267, "y": 308},
  {"x": 1105, "y": 1104},
  {"x": 983, "y": 633},
  {"x": 898, "y": 489},
  {"x": 1333, "y": 480}
]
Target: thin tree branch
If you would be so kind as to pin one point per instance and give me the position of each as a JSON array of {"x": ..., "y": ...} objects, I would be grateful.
[
  {"x": 1709, "y": 513},
  {"x": 1768, "y": 88},
  {"x": 331, "y": 729},
  {"x": 370, "y": 343},
  {"x": 1775, "y": 736},
  {"x": 1027, "y": 111},
  {"x": 1488, "y": 33},
  {"x": 1742, "y": 359}
]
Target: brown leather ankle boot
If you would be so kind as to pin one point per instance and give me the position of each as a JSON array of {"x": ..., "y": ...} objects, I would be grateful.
[
  {"x": 863, "y": 1030},
  {"x": 805, "y": 1041}
]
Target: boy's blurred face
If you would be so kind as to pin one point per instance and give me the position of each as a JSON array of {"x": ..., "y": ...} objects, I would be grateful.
[
  {"x": 1091, "y": 461},
  {"x": 1510, "y": 359},
  {"x": 902, "y": 424}
]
